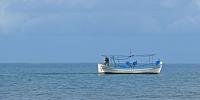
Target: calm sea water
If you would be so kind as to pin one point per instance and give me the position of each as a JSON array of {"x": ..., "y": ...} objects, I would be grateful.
[{"x": 81, "y": 82}]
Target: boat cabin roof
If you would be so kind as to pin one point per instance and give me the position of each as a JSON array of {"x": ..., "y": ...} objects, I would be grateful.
[{"x": 146, "y": 55}]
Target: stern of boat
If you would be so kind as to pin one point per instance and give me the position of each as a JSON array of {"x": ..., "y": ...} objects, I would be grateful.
[{"x": 101, "y": 68}]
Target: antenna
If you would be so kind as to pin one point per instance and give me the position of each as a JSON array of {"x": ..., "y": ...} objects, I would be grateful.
[{"x": 130, "y": 53}]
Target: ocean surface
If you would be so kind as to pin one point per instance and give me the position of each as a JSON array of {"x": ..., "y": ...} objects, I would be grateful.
[{"x": 65, "y": 81}]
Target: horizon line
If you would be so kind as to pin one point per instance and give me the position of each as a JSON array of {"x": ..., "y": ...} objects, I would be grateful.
[{"x": 73, "y": 63}]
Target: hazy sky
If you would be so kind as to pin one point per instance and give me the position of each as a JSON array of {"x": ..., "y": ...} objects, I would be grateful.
[{"x": 82, "y": 30}]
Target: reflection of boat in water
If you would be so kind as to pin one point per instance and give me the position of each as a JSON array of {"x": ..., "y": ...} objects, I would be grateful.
[{"x": 120, "y": 64}]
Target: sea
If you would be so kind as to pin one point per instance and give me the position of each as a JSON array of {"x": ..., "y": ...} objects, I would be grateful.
[{"x": 80, "y": 81}]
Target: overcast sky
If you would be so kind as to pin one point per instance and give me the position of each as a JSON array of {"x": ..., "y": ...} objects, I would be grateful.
[{"x": 82, "y": 30}]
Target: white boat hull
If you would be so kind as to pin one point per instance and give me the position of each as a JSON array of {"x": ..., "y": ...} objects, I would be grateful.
[{"x": 151, "y": 70}]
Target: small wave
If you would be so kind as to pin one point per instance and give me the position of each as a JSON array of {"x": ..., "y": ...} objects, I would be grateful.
[{"x": 61, "y": 73}]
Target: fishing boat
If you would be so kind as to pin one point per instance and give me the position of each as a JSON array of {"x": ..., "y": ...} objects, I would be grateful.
[{"x": 128, "y": 64}]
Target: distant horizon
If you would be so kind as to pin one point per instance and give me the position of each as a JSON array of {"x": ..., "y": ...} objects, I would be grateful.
[{"x": 79, "y": 63}]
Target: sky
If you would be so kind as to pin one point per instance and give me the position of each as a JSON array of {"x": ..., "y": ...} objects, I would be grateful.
[{"x": 51, "y": 31}]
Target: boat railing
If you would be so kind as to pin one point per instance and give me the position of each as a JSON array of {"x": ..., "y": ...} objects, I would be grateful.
[{"x": 124, "y": 65}]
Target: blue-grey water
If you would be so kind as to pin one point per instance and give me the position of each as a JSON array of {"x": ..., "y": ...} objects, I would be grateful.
[{"x": 81, "y": 82}]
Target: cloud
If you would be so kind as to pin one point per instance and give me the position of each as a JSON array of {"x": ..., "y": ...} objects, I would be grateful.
[
  {"x": 187, "y": 25},
  {"x": 90, "y": 24},
  {"x": 197, "y": 3},
  {"x": 97, "y": 17},
  {"x": 16, "y": 14},
  {"x": 169, "y": 3},
  {"x": 9, "y": 22},
  {"x": 70, "y": 17},
  {"x": 187, "y": 20},
  {"x": 3, "y": 16},
  {"x": 50, "y": 6}
]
